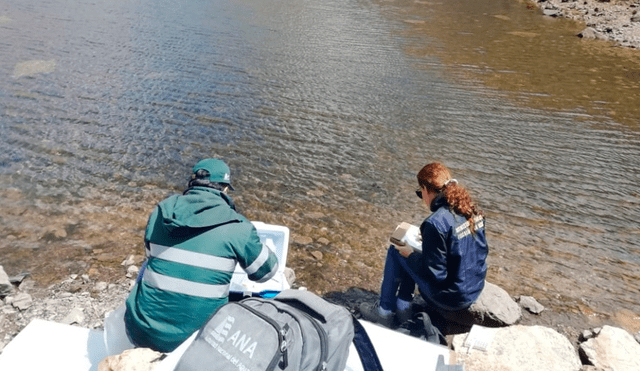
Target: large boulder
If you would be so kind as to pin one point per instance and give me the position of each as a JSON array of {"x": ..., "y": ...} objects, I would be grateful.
[
  {"x": 612, "y": 349},
  {"x": 495, "y": 308},
  {"x": 521, "y": 348}
]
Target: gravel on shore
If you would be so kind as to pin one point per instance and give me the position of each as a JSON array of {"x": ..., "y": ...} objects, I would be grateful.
[
  {"x": 77, "y": 301},
  {"x": 616, "y": 21}
]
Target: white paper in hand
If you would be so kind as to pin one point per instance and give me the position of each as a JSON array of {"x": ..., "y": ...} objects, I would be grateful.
[{"x": 407, "y": 234}]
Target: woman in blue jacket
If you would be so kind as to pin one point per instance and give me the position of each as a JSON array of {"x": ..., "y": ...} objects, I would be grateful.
[{"x": 451, "y": 269}]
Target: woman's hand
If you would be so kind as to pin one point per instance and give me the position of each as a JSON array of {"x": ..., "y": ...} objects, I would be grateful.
[{"x": 405, "y": 250}]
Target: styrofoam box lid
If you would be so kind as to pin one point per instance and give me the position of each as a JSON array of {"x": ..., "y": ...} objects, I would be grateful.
[{"x": 275, "y": 237}]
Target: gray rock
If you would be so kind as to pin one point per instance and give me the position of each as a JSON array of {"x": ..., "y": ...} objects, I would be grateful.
[
  {"x": 637, "y": 337},
  {"x": 6, "y": 288},
  {"x": 590, "y": 33},
  {"x": 17, "y": 279},
  {"x": 25, "y": 285},
  {"x": 550, "y": 12},
  {"x": 302, "y": 240},
  {"x": 586, "y": 335},
  {"x": 22, "y": 301},
  {"x": 100, "y": 286},
  {"x": 613, "y": 349},
  {"x": 495, "y": 307},
  {"x": 130, "y": 260},
  {"x": 531, "y": 304},
  {"x": 132, "y": 271},
  {"x": 290, "y": 275},
  {"x": 522, "y": 348},
  {"x": 75, "y": 316}
]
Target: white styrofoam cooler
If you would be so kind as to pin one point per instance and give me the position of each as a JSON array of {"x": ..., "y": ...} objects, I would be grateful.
[{"x": 275, "y": 237}]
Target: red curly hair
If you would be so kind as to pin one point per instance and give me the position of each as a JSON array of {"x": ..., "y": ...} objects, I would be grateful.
[{"x": 433, "y": 177}]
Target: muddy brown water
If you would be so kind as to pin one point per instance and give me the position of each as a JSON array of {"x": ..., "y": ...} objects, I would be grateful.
[{"x": 325, "y": 111}]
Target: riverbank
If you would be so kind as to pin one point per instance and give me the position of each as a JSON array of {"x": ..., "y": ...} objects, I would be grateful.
[
  {"x": 616, "y": 21},
  {"x": 81, "y": 301}
]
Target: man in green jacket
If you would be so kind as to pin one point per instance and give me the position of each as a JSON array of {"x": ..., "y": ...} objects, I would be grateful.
[{"x": 193, "y": 242}]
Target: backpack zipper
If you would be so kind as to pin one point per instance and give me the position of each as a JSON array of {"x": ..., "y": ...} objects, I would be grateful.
[
  {"x": 322, "y": 334},
  {"x": 323, "y": 342},
  {"x": 282, "y": 341}
]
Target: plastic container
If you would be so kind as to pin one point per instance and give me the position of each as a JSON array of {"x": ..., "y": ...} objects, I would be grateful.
[{"x": 275, "y": 237}]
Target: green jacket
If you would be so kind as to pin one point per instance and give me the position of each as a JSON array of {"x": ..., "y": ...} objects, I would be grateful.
[{"x": 193, "y": 242}]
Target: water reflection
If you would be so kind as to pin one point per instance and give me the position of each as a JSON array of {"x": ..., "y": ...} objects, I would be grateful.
[{"x": 510, "y": 46}]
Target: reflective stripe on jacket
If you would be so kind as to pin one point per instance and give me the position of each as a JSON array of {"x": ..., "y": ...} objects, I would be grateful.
[{"x": 193, "y": 243}]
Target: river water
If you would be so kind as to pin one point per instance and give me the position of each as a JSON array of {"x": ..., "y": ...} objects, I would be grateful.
[{"x": 325, "y": 110}]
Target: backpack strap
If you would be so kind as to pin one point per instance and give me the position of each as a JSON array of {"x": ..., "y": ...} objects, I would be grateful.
[{"x": 365, "y": 348}]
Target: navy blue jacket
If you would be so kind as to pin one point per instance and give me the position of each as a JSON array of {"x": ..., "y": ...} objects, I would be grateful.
[{"x": 453, "y": 258}]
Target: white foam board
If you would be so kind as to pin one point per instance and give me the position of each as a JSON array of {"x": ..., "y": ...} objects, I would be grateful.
[
  {"x": 397, "y": 351},
  {"x": 45, "y": 345}
]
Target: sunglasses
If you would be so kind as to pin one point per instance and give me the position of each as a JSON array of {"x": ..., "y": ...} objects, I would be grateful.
[{"x": 419, "y": 193}]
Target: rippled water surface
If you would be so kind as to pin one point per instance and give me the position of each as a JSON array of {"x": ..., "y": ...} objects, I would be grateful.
[{"x": 325, "y": 110}]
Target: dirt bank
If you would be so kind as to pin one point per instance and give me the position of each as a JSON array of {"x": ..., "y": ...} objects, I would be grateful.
[{"x": 617, "y": 21}]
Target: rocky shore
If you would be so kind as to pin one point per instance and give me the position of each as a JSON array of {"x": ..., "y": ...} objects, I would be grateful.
[
  {"x": 617, "y": 21},
  {"x": 75, "y": 301},
  {"x": 514, "y": 345}
]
